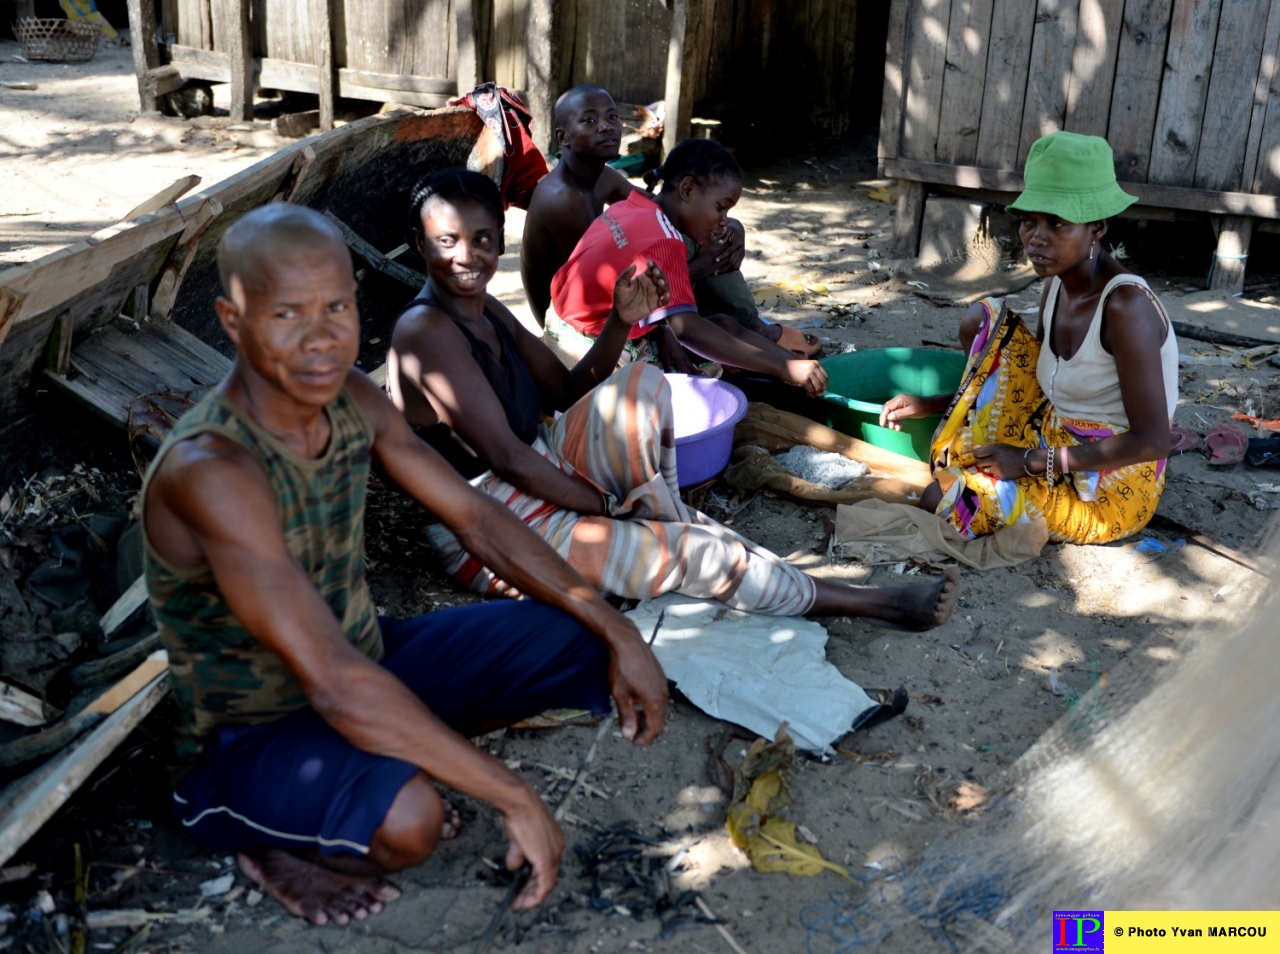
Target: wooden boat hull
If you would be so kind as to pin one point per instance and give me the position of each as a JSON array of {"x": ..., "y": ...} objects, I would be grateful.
[{"x": 163, "y": 265}]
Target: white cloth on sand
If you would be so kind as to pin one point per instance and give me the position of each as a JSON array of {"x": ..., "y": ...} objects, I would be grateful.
[{"x": 755, "y": 671}]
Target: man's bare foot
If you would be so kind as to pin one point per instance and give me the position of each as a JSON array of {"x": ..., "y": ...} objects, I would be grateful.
[
  {"x": 452, "y": 822},
  {"x": 918, "y": 608},
  {"x": 308, "y": 890}
]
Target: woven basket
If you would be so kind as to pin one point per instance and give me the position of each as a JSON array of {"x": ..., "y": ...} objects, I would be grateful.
[{"x": 54, "y": 39}]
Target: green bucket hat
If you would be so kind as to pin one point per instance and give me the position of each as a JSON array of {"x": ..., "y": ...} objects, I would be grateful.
[{"x": 1073, "y": 177}]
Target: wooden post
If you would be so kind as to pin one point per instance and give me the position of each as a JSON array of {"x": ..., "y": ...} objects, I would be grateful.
[
  {"x": 1234, "y": 235},
  {"x": 146, "y": 53},
  {"x": 328, "y": 75},
  {"x": 540, "y": 85},
  {"x": 908, "y": 220},
  {"x": 679, "y": 95},
  {"x": 235, "y": 18},
  {"x": 468, "y": 70}
]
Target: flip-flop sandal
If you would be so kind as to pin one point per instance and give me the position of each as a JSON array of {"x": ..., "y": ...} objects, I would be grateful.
[
  {"x": 1182, "y": 439},
  {"x": 797, "y": 342},
  {"x": 1226, "y": 444}
]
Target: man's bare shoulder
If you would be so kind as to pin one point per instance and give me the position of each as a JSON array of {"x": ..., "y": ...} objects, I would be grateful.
[
  {"x": 613, "y": 186},
  {"x": 552, "y": 192}
]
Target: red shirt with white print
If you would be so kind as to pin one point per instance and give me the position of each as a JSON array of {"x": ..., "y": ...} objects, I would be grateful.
[{"x": 627, "y": 233}]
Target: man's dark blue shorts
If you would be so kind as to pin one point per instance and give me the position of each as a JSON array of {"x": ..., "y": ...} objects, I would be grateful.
[{"x": 297, "y": 784}]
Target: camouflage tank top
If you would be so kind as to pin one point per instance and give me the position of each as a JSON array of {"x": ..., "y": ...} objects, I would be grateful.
[{"x": 221, "y": 674}]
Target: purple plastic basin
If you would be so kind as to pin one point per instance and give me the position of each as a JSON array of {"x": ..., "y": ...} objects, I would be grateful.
[{"x": 706, "y": 410}]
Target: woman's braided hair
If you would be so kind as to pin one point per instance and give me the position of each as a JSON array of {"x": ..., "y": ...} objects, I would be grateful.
[
  {"x": 703, "y": 159},
  {"x": 452, "y": 185}
]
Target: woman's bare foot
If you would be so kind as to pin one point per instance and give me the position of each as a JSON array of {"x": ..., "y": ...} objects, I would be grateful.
[
  {"x": 922, "y": 607},
  {"x": 313, "y": 892}
]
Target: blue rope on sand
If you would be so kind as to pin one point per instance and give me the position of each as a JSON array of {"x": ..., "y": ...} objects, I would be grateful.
[{"x": 945, "y": 892}]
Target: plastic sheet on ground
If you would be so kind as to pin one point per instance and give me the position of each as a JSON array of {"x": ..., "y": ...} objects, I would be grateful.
[{"x": 755, "y": 671}]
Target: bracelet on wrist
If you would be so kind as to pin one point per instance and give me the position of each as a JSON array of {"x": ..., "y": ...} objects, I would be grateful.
[{"x": 1025, "y": 469}]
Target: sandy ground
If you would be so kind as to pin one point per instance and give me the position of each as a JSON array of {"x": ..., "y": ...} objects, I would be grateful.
[{"x": 76, "y": 155}]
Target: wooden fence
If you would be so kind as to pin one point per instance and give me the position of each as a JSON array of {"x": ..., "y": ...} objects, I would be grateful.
[{"x": 1186, "y": 91}]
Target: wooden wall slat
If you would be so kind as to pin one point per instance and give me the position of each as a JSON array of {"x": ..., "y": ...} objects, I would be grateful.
[
  {"x": 963, "y": 81},
  {"x": 1183, "y": 88},
  {"x": 926, "y": 61},
  {"x": 1008, "y": 61},
  {"x": 622, "y": 45},
  {"x": 891, "y": 101},
  {"x": 1049, "y": 72},
  {"x": 195, "y": 24},
  {"x": 1093, "y": 67},
  {"x": 1266, "y": 176},
  {"x": 1135, "y": 95},
  {"x": 1264, "y": 92},
  {"x": 1237, "y": 58},
  {"x": 510, "y": 55}
]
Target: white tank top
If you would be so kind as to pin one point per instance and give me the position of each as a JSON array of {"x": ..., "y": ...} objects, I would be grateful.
[{"x": 1087, "y": 385}]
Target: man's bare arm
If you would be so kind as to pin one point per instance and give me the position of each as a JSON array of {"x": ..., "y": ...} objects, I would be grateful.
[
  {"x": 493, "y": 535},
  {"x": 218, "y": 494}
]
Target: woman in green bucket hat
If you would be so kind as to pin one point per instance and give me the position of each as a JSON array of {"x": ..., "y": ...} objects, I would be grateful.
[{"x": 1069, "y": 424}]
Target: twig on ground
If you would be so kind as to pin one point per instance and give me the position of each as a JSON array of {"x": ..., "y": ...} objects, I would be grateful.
[{"x": 723, "y": 931}]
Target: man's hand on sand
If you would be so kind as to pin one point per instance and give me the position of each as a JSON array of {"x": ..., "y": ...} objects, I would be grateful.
[
  {"x": 637, "y": 296},
  {"x": 807, "y": 374},
  {"x": 536, "y": 838},
  {"x": 639, "y": 689}
]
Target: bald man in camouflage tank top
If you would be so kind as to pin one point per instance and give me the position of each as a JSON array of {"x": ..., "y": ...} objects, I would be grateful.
[{"x": 313, "y": 734}]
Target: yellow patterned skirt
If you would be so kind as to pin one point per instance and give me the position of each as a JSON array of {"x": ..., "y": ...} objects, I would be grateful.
[{"x": 1000, "y": 401}]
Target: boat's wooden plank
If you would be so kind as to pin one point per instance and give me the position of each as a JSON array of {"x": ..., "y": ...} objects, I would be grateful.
[
  {"x": 1149, "y": 194},
  {"x": 1052, "y": 45},
  {"x": 124, "y": 607},
  {"x": 1183, "y": 91},
  {"x": 31, "y": 801},
  {"x": 1135, "y": 97},
  {"x": 1228, "y": 108},
  {"x": 188, "y": 354},
  {"x": 963, "y": 82},
  {"x": 926, "y": 62},
  {"x": 165, "y": 197},
  {"x": 1008, "y": 60},
  {"x": 52, "y": 280},
  {"x": 1093, "y": 68}
]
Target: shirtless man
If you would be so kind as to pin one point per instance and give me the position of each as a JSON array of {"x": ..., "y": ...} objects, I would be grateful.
[
  {"x": 312, "y": 734},
  {"x": 570, "y": 197}
]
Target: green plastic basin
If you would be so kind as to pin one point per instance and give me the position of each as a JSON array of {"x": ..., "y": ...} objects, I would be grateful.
[{"x": 860, "y": 382}]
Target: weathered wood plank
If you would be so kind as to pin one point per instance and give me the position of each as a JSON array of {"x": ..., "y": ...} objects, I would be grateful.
[
  {"x": 234, "y": 18},
  {"x": 1093, "y": 67},
  {"x": 1149, "y": 194},
  {"x": 893, "y": 99},
  {"x": 165, "y": 197},
  {"x": 468, "y": 68},
  {"x": 31, "y": 801},
  {"x": 146, "y": 52},
  {"x": 1266, "y": 96},
  {"x": 1234, "y": 235},
  {"x": 964, "y": 79},
  {"x": 125, "y": 606},
  {"x": 328, "y": 77},
  {"x": 539, "y": 86},
  {"x": 1183, "y": 89},
  {"x": 1004, "y": 98},
  {"x": 909, "y": 218},
  {"x": 377, "y": 261},
  {"x": 1049, "y": 72},
  {"x": 299, "y": 77},
  {"x": 680, "y": 73},
  {"x": 1228, "y": 108},
  {"x": 1135, "y": 96},
  {"x": 925, "y": 64}
]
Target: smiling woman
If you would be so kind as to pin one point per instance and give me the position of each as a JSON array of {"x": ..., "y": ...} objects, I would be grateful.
[
  {"x": 600, "y": 483},
  {"x": 1070, "y": 424}
]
